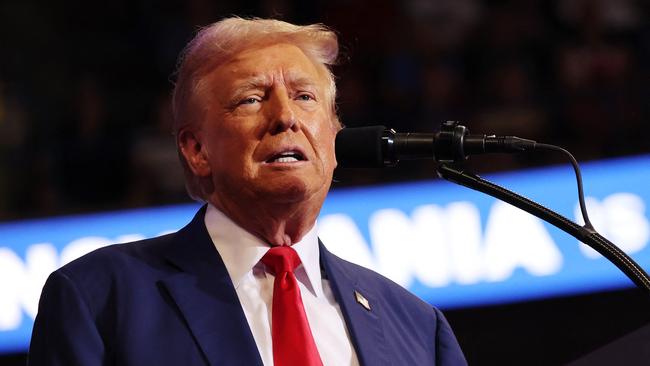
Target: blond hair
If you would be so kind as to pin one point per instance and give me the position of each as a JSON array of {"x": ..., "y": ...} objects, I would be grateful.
[{"x": 217, "y": 43}]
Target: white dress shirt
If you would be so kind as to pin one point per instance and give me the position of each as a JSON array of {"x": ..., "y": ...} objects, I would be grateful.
[{"x": 242, "y": 251}]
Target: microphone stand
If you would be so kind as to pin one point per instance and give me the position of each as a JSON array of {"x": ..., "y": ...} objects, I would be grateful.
[{"x": 586, "y": 235}]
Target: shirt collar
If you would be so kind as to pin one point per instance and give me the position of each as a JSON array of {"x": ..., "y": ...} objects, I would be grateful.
[{"x": 241, "y": 250}]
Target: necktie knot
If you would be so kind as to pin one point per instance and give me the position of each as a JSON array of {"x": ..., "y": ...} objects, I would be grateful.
[{"x": 281, "y": 259}]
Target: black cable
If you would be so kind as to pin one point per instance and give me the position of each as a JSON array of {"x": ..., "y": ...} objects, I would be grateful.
[{"x": 576, "y": 169}]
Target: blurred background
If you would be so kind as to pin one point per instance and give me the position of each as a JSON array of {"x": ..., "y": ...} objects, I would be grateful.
[{"x": 85, "y": 116}]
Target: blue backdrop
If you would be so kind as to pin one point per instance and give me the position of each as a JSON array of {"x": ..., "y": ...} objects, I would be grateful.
[{"x": 449, "y": 245}]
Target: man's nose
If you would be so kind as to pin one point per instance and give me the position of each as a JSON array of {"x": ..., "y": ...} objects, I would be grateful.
[{"x": 281, "y": 115}]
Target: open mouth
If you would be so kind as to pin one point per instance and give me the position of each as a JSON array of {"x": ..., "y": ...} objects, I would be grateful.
[{"x": 287, "y": 157}]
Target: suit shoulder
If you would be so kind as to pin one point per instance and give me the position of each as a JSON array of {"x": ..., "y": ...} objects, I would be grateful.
[
  {"x": 117, "y": 255},
  {"x": 95, "y": 273}
]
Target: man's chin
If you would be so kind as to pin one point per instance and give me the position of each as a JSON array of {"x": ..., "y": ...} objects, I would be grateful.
[
  {"x": 291, "y": 192},
  {"x": 288, "y": 190}
]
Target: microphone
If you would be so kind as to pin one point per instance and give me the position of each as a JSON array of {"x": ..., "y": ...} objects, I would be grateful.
[{"x": 378, "y": 147}]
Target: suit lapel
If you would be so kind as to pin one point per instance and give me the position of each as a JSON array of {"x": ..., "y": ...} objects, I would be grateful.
[
  {"x": 206, "y": 298},
  {"x": 363, "y": 325}
]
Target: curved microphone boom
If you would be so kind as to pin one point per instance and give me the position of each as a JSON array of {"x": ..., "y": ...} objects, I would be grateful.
[{"x": 378, "y": 147}]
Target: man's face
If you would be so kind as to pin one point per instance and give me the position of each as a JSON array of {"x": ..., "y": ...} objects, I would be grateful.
[{"x": 268, "y": 130}]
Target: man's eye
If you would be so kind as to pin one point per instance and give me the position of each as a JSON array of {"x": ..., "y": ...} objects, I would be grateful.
[
  {"x": 250, "y": 100},
  {"x": 305, "y": 97}
]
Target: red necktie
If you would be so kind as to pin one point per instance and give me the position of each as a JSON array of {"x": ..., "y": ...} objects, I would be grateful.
[{"x": 293, "y": 343}]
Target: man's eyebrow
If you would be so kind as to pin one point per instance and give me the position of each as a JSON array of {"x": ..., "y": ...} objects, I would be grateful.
[
  {"x": 296, "y": 78},
  {"x": 302, "y": 82},
  {"x": 252, "y": 83},
  {"x": 263, "y": 82}
]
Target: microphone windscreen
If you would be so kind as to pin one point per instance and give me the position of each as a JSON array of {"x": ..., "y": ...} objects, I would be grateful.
[{"x": 360, "y": 147}]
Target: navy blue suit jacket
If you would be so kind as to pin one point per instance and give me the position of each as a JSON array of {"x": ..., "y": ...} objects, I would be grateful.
[{"x": 170, "y": 301}]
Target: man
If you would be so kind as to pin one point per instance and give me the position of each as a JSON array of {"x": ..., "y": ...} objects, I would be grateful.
[{"x": 255, "y": 123}]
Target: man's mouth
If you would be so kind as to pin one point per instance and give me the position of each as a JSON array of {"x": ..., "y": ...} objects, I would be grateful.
[{"x": 291, "y": 156}]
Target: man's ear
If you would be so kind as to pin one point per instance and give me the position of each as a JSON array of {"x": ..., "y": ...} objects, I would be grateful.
[{"x": 192, "y": 150}]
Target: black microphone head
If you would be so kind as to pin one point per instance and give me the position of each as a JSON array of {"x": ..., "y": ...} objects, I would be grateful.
[{"x": 360, "y": 147}]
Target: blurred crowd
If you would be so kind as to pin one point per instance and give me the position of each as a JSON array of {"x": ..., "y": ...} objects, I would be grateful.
[{"x": 85, "y": 86}]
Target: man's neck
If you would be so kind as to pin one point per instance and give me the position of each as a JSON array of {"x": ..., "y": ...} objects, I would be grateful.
[{"x": 284, "y": 224}]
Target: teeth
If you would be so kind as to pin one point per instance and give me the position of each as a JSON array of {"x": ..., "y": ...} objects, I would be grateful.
[
  {"x": 290, "y": 156},
  {"x": 285, "y": 159}
]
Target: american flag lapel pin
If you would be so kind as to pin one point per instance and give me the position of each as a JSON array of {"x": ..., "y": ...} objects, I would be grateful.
[{"x": 362, "y": 300}]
